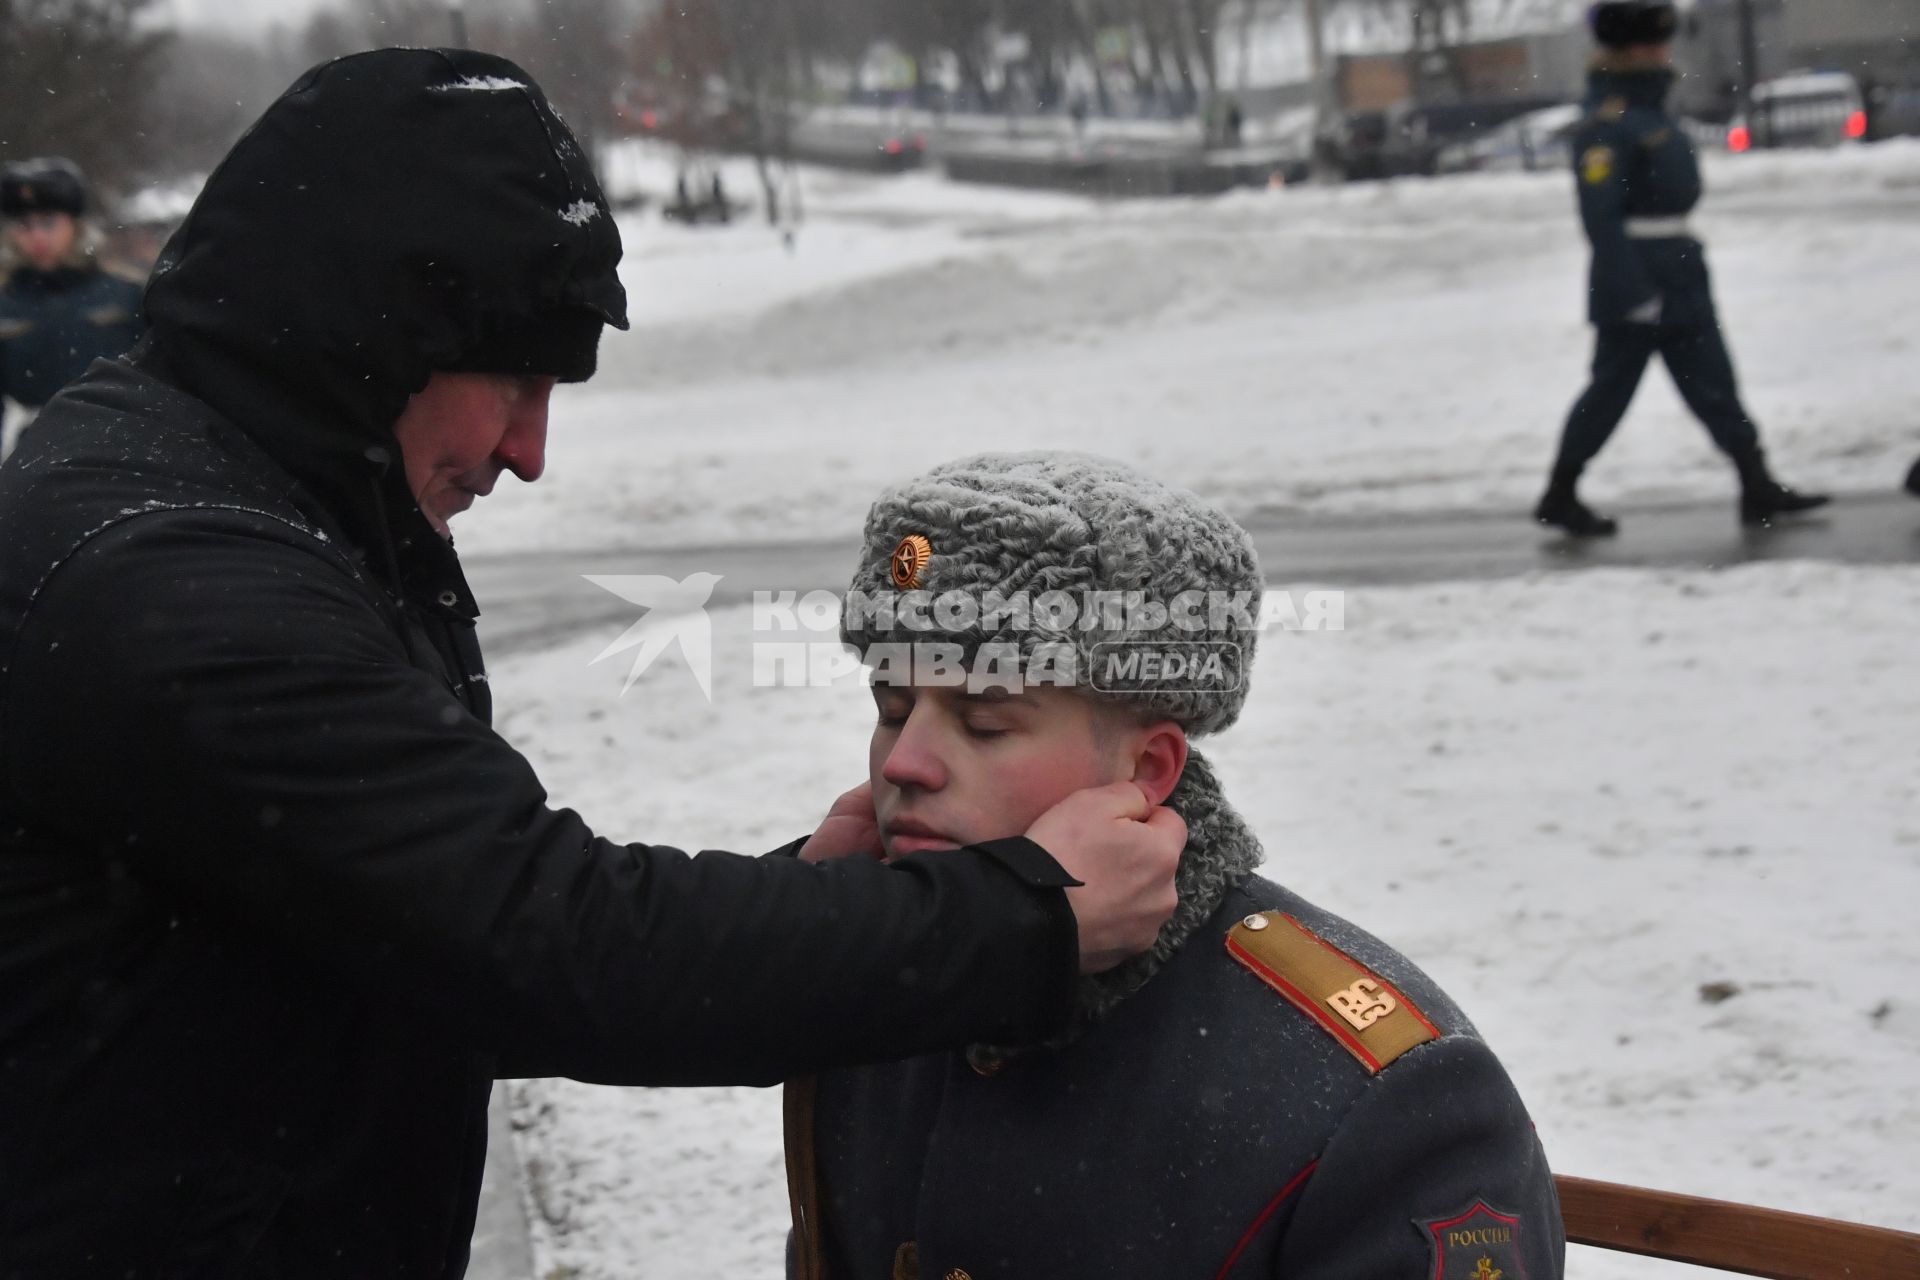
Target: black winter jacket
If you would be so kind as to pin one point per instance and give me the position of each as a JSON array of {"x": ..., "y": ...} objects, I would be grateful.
[{"x": 276, "y": 904}]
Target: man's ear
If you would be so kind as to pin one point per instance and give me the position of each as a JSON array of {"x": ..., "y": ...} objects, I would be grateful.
[{"x": 1160, "y": 757}]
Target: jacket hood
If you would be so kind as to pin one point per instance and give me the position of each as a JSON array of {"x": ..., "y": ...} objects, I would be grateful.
[{"x": 393, "y": 213}]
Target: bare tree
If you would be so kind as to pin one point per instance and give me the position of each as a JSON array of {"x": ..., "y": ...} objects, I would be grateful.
[
  {"x": 208, "y": 86},
  {"x": 1202, "y": 31},
  {"x": 765, "y": 52},
  {"x": 375, "y": 24},
  {"x": 576, "y": 49},
  {"x": 75, "y": 76}
]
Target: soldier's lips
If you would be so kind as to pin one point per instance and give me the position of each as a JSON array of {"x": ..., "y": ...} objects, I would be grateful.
[
  {"x": 903, "y": 845},
  {"x": 908, "y": 836}
]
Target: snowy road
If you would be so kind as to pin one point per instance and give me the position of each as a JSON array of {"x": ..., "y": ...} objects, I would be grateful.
[{"x": 536, "y": 599}]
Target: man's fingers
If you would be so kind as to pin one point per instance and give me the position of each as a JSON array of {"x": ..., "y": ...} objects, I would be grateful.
[
  {"x": 857, "y": 803},
  {"x": 849, "y": 828},
  {"x": 1166, "y": 820},
  {"x": 1120, "y": 800}
]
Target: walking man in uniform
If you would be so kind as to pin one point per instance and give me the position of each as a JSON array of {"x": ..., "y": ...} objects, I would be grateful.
[
  {"x": 60, "y": 309},
  {"x": 1270, "y": 1091},
  {"x": 1649, "y": 292}
]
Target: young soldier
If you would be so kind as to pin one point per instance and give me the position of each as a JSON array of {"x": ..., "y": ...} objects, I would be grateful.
[
  {"x": 1638, "y": 180},
  {"x": 60, "y": 310},
  {"x": 1270, "y": 1091}
]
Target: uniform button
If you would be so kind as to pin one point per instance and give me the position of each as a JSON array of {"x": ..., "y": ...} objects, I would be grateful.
[
  {"x": 1256, "y": 923},
  {"x": 449, "y": 599},
  {"x": 985, "y": 1062}
]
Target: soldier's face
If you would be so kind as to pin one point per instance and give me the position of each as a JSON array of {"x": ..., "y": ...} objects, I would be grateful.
[
  {"x": 951, "y": 768},
  {"x": 463, "y": 430},
  {"x": 43, "y": 239}
]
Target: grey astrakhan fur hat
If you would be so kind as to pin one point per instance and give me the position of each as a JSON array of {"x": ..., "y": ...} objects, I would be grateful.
[{"x": 1093, "y": 574}]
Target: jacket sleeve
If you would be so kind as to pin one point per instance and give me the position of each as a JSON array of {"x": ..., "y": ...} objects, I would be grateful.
[
  {"x": 1435, "y": 1166},
  {"x": 1602, "y": 159},
  {"x": 209, "y": 695}
]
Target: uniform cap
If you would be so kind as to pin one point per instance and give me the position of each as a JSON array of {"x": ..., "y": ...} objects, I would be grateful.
[
  {"x": 48, "y": 184},
  {"x": 1621, "y": 24},
  {"x": 1066, "y": 551}
]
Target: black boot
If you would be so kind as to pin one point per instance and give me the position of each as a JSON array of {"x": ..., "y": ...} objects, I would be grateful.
[
  {"x": 1561, "y": 508},
  {"x": 1762, "y": 497},
  {"x": 1913, "y": 479}
]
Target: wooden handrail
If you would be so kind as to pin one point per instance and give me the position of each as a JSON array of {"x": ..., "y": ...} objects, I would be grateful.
[{"x": 1741, "y": 1238}]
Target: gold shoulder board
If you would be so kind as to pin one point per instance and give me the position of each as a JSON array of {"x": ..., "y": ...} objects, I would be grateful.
[{"x": 1356, "y": 1006}]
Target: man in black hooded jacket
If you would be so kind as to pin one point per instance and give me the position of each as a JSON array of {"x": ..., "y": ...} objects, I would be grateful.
[{"x": 276, "y": 904}]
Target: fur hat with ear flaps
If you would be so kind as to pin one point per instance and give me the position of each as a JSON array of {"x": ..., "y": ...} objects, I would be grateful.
[{"x": 1151, "y": 596}]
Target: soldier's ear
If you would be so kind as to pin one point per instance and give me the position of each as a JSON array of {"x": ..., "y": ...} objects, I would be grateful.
[{"x": 1160, "y": 757}]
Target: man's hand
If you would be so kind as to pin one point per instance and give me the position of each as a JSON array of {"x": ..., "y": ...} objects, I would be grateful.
[
  {"x": 1125, "y": 849},
  {"x": 849, "y": 828},
  {"x": 1648, "y": 312}
]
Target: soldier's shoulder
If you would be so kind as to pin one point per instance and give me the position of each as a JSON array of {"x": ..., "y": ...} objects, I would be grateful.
[
  {"x": 1602, "y": 125},
  {"x": 1606, "y": 110},
  {"x": 1360, "y": 994}
]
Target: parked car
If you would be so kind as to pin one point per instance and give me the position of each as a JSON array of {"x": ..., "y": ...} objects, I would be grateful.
[
  {"x": 1409, "y": 138},
  {"x": 1538, "y": 140},
  {"x": 1802, "y": 109}
]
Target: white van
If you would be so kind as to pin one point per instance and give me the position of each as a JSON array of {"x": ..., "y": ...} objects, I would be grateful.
[{"x": 1802, "y": 109}]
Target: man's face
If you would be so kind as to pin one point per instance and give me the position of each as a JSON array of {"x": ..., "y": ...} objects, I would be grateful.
[
  {"x": 463, "y": 429},
  {"x": 43, "y": 239},
  {"x": 951, "y": 768}
]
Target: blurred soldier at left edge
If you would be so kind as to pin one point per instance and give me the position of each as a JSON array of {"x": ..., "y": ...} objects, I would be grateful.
[
  {"x": 60, "y": 309},
  {"x": 277, "y": 903}
]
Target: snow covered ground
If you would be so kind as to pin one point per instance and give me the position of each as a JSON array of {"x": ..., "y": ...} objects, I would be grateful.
[
  {"x": 1369, "y": 347},
  {"x": 1659, "y": 832}
]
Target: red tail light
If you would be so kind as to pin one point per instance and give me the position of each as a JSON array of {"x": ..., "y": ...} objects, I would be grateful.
[
  {"x": 895, "y": 146},
  {"x": 1740, "y": 138},
  {"x": 650, "y": 119},
  {"x": 1857, "y": 125}
]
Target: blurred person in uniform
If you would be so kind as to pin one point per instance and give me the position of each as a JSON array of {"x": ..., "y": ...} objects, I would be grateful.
[
  {"x": 1649, "y": 292},
  {"x": 1271, "y": 1091},
  {"x": 60, "y": 307},
  {"x": 277, "y": 903}
]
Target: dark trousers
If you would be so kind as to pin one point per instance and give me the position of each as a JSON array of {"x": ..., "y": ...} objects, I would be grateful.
[{"x": 1696, "y": 356}]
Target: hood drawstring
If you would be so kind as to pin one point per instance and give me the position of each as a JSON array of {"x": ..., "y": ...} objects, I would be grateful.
[{"x": 396, "y": 592}]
